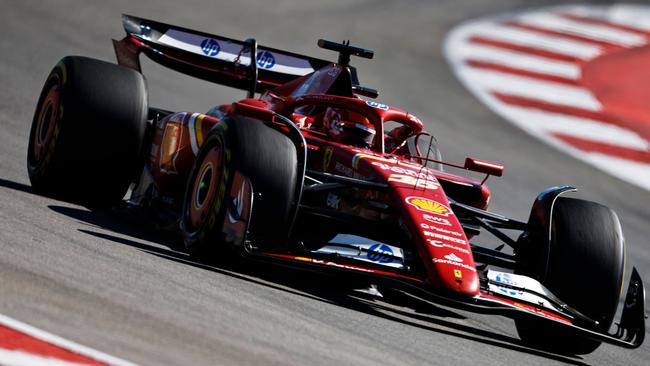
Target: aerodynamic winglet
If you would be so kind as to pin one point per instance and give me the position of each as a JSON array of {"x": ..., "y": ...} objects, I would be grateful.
[{"x": 631, "y": 328}]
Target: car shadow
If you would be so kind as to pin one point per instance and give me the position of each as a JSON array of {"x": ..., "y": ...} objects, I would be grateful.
[
  {"x": 16, "y": 186},
  {"x": 309, "y": 284}
]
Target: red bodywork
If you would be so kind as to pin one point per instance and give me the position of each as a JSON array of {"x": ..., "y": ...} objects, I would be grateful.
[
  {"x": 414, "y": 189},
  {"x": 388, "y": 184}
]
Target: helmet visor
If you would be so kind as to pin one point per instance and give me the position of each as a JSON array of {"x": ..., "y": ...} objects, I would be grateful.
[{"x": 357, "y": 134}]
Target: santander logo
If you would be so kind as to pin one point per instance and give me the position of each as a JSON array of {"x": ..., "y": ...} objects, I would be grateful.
[{"x": 454, "y": 258}]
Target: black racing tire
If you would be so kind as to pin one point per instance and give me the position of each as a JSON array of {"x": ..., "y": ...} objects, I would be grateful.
[
  {"x": 585, "y": 269},
  {"x": 87, "y": 132},
  {"x": 263, "y": 155}
]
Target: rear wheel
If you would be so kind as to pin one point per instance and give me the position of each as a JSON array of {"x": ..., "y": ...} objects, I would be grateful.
[
  {"x": 583, "y": 267},
  {"x": 263, "y": 155},
  {"x": 87, "y": 131}
]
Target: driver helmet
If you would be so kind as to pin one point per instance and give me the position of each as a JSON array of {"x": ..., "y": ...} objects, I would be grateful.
[{"x": 347, "y": 127}]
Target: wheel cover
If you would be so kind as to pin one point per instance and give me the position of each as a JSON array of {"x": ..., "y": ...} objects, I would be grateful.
[
  {"x": 44, "y": 132},
  {"x": 204, "y": 191}
]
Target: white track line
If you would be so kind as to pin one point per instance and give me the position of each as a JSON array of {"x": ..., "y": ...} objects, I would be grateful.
[
  {"x": 545, "y": 91},
  {"x": 61, "y": 342},
  {"x": 621, "y": 14},
  {"x": 19, "y": 358},
  {"x": 519, "y": 60},
  {"x": 535, "y": 40},
  {"x": 587, "y": 129},
  {"x": 596, "y": 32}
]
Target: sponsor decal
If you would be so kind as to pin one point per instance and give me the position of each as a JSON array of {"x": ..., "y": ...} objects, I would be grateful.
[
  {"x": 458, "y": 273},
  {"x": 360, "y": 156},
  {"x": 347, "y": 171},
  {"x": 436, "y": 220},
  {"x": 338, "y": 265},
  {"x": 410, "y": 172},
  {"x": 506, "y": 279},
  {"x": 383, "y": 107},
  {"x": 327, "y": 157},
  {"x": 210, "y": 47},
  {"x": 440, "y": 244},
  {"x": 333, "y": 201},
  {"x": 228, "y": 51},
  {"x": 238, "y": 204},
  {"x": 364, "y": 249},
  {"x": 343, "y": 169},
  {"x": 453, "y": 263},
  {"x": 440, "y": 230},
  {"x": 333, "y": 72},
  {"x": 454, "y": 257},
  {"x": 427, "y": 205},
  {"x": 413, "y": 181},
  {"x": 319, "y": 97},
  {"x": 265, "y": 59},
  {"x": 377, "y": 251},
  {"x": 444, "y": 237}
]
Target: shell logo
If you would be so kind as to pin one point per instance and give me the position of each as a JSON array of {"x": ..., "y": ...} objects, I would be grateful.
[{"x": 427, "y": 205}]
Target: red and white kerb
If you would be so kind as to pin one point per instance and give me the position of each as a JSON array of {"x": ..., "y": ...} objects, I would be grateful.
[
  {"x": 574, "y": 76},
  {"x": 25, "y": 345}
]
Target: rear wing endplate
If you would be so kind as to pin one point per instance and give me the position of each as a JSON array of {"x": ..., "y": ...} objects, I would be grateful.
[{"x": 209, "y": 57}]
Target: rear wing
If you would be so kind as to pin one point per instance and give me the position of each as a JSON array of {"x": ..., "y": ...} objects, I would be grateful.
[{"x": 210, "y": 57}]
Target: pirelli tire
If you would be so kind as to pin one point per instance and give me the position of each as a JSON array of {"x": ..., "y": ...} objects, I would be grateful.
[
  {"x": 583, "y": 267},
  {"x": 264, "y": 156},
  {"x": 87, "y": 132}
]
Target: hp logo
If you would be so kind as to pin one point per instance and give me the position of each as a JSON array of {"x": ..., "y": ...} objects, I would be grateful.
[
  {"x": 210, "y": 47},
  {"x": 265, "y": 59},
  {"x": 376, "y": 252}
]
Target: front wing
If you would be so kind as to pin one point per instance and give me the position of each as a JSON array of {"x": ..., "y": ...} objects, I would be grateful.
[{"x": 501, "y": 294}]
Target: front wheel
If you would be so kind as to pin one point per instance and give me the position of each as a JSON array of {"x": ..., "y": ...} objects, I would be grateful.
[
  {"x": 583, "y": 266},
  {"x": 235, "y": 148}
]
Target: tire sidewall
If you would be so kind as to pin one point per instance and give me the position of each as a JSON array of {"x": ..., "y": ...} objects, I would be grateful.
[
  {"x": 96, "y": 147},
  {"x": 36, "y": 167},
  {"x": 210, "y": 228}
]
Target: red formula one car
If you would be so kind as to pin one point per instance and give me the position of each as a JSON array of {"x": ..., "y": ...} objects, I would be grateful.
[{"x": 310, "y": 171}]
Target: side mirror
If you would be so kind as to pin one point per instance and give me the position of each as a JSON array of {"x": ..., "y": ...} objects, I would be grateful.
[{"x": 483, "y": 166}]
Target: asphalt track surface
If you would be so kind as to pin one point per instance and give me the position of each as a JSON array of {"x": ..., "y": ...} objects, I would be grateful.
[{"x": 126, "y": 291}]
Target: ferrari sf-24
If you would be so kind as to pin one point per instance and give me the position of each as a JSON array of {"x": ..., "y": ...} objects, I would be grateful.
[{"x": 310, "y": 171}]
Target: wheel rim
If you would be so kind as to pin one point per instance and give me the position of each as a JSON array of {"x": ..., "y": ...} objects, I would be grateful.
[
  {"x": 46, "y": 122},
  {"x": 204, "y": 191},
  {"x": 204, "y": 185}
]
